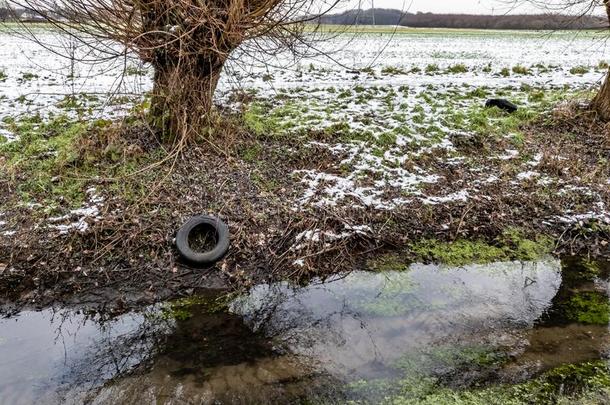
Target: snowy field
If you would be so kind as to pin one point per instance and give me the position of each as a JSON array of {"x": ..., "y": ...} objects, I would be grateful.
[{"x": 394, "y": 98}]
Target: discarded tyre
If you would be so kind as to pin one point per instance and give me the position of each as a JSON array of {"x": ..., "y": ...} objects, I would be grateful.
[
  {"x": 210, "y": 229},
  {"x": 501, "y": 104}
]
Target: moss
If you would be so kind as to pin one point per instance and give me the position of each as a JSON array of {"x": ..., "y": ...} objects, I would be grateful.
[
  {"x": 251, "y": 153},
  {"x": 458, "y": 253},
  {"x": 518, "y": 246},
  {"x": 586, "y": 383},
  {"x": 512, "y": 244},
  {"x": 389, "y": 262},
  {"x": 183, "y": 309}
]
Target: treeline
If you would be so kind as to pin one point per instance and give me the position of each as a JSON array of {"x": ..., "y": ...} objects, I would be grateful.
[{"x": 430, "y": 20}]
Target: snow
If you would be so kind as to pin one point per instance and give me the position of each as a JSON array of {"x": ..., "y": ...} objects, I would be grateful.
[{"x": 78, "y": 220}]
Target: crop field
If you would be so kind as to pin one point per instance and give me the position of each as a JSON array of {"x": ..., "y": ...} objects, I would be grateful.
[{"x": 393, "y": 106}]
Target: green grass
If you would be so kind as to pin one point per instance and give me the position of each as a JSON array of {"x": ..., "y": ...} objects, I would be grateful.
[
  {"x": 459, "y": 68},
  {"x": 391, "y": 70},
  {"x": 579, "y": 70},
  {"x": 521, "y": 70},
  {"x": 56, "y": 160}
]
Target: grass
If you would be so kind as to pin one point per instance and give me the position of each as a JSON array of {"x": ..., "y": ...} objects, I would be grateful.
[
  {"x": 579, "y": 70},
  {"x": 521, "y": 70},
  {"x": 55, "y": 163},
  {"x": 459, "y": 68},
  {"x": 391, "y": 70}
]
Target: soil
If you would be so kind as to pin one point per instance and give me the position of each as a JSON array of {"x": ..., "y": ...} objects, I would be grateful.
[{"x": 127, "y": 258}]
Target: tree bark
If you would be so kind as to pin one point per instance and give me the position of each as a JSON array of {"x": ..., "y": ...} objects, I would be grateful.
[
  {"x": 601, "y": 102},
  {"x": 183, "y": 97}
]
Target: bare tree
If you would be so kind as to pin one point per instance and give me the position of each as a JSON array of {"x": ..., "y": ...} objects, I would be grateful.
[
  {"x": 187, "y": 42},
  {"x": 579, "y": 8}
]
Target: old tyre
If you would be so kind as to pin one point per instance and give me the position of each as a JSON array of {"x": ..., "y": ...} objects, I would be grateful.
[{"x": 210, "y": 227}]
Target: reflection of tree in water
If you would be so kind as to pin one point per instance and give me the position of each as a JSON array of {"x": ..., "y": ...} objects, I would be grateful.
[
  {"x": 199, "y": 352},
  {"x": 574, "y": 328},
  {"x": 230, "y": 354},
  {"x": 582, "y": 296}
]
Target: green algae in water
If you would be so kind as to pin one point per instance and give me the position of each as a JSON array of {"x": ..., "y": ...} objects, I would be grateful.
[
  {"x": 389, "y": 262},
  {"x": 184, "y": 308}
]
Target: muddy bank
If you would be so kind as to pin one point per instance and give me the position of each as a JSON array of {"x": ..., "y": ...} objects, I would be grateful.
[
  {"x": 512, "y": 331},
  {"x": 88, "y": 209}
]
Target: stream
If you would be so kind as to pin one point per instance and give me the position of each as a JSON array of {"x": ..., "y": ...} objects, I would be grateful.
[{"x": 362, "y": 337}]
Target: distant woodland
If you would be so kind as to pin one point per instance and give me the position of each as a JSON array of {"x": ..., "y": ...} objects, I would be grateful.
[
  {"x": 429, "y": 20},
  {"x": 380, "y": 16}
]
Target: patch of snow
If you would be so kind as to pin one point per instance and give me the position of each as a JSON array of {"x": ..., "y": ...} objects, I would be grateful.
[
  {"x": 78, "y": 219},
  {"x": 510, "y": 154},
  {"x": 459, "y": 196},
  {"x": 536, "y": 160},
  {"x": 527, "y": 175}
]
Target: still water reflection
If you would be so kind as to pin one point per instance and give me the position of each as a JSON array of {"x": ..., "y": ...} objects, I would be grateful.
[{"x": 489, "y": 323}]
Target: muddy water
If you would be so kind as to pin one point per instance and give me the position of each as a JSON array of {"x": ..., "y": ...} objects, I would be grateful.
[{"x": 351, "y": 338}]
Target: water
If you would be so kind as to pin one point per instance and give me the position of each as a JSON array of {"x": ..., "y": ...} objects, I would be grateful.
[{"x": 352, "y": 338}]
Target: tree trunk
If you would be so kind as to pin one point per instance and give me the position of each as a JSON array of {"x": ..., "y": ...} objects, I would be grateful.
[
  {"x": 183, "y": 97},
  {"x": 601, "y": 102}
]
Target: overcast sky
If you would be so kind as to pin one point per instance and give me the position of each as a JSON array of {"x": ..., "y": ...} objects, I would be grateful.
[{"x": 453, "y": 6}]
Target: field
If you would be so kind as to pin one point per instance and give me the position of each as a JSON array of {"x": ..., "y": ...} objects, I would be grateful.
[
  {"x": 392, "y": 239},
  {"x": 383, "y": 140}
]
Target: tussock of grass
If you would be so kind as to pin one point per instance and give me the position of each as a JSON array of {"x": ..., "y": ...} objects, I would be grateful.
[{"x": 579, "y": 70}]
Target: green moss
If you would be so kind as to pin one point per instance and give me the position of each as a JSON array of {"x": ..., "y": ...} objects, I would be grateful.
[
  {"x": 512, "y": 244},
  {"x": 264, "y": 121},
  {"x": 586, "y": 383},
  {"x": 518, "y": 246},
  {"x": 458, "y": 253},
  {"x": 251, "y": 153},
  {"x": 389, "y": 262},
  {"x": 183, "y": 309},
  {"x": 449, "y": 358}
]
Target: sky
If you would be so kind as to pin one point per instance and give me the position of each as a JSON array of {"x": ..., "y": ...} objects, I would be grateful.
[{"x": 455, "y": 6}]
